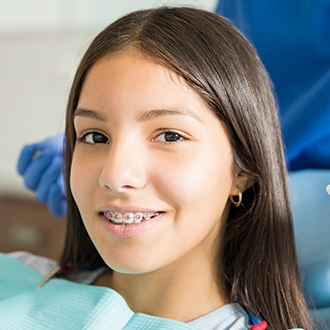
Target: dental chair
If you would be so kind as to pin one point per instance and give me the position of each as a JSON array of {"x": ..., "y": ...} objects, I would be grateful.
[{"x": 311, "y": 214}]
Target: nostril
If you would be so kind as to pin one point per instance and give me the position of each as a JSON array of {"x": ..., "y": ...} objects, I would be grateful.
[{"x": 127, "y": 187}]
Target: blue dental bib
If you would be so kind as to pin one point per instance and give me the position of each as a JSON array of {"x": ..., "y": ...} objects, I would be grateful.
[{"x": 62, "y": 304}]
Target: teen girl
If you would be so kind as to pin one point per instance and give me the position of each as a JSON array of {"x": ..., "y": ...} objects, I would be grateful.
[{"x": 176, "y": 183}]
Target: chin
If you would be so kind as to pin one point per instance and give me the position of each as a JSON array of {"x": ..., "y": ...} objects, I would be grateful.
[
  {"x": 128, "y": 265},
  {"x": 134, "y": 266},
  {"x": 130, "y": 269}
]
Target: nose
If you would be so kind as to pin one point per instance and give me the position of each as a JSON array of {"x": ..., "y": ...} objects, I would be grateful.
[{"x": 124, "y": 167}]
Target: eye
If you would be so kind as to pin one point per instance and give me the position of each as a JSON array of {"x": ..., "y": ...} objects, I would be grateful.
[
  {"x": 170, "y": 137},
  {"x": 93, "y": 138}
]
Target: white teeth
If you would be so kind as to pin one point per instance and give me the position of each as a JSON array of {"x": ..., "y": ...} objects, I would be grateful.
[
  {"x": 129, "y": 217},
  {"x": 147, "y": 215},
  {"x": 117, "y": 217},
  {"x": 138, "y": 217}
]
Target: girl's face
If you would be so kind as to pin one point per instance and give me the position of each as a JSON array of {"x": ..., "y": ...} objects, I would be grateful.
[{"x": 152, "y": 168}]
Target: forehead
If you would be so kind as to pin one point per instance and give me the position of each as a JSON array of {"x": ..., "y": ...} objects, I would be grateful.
[
  {"x": 129, "y": 79},
  {"x": 130, "y": 65},
  {"x": 127, "y": 72}
]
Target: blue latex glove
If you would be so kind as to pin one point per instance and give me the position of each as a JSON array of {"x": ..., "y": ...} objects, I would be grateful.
[{"x": 41, "y": 165}]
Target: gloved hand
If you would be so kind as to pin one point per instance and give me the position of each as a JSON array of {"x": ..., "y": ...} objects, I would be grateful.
[{"x": 41, "y": 165}]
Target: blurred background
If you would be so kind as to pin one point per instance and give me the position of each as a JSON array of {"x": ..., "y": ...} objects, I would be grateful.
[{"x": 41, "y": 42}]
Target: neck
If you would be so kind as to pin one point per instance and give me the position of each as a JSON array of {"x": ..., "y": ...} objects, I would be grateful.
[{"x": 181, "y": 293}]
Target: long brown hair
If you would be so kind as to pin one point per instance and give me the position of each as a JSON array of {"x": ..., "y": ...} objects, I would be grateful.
[{"x": 258, "y": 260}]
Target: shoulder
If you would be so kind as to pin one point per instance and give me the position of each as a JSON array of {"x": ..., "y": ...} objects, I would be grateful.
[
  {"x": 44, "y": 266},
  {"x": 231, "y": 316},
  {"x": 40, "y": 264}
]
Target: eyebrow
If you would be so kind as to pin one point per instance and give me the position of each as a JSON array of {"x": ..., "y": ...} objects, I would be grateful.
[
  {"x": 89, "y": 114},
  {"x": 141, "y": 116},
  {"x": 152, "y": 114}
]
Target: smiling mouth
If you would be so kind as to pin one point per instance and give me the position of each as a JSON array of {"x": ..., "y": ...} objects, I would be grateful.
[{"x": 129, "y": 218}]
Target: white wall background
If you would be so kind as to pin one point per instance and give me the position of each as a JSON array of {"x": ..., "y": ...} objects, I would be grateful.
[{"x": 41, "y": 42}]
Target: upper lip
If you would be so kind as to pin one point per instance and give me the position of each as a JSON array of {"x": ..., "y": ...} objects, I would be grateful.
[{"x": 126, "y": 209}]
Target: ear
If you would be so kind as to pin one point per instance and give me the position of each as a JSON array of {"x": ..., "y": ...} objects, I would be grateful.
[{"x": 241, "y": 182}]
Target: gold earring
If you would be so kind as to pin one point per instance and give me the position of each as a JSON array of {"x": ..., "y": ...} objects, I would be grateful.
[{"x": 237, "y": 202}]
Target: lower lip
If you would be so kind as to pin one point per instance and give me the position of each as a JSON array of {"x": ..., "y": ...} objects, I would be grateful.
[{"x": 131, "y": 230}]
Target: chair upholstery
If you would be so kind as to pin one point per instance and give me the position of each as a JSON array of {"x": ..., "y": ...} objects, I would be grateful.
[{"x": 311, "y": 214}]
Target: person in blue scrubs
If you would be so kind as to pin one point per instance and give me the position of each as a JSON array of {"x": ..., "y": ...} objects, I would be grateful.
[{"x": 293, "y": 41}]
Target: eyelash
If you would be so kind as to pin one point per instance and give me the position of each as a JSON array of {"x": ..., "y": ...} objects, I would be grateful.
[
  {"x": 177, "y": 138},
  {"x": 175, "y": 134},
  {"x": 83, "y": 138}
]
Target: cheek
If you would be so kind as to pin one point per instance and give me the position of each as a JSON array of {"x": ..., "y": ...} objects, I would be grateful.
[
  {"x": 201, "y": 180},
  {"x": 76, "y": 182},
  {"x": 82, "y": 178}
]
